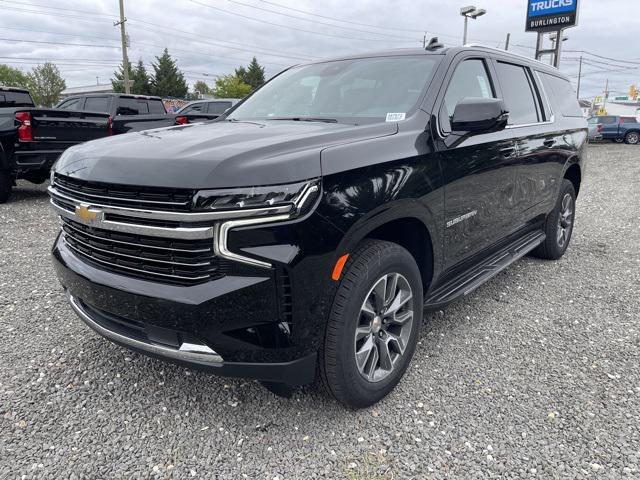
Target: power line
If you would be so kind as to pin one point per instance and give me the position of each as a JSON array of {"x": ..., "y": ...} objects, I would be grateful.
[
  {"x": 21, "y": 40},
  {"x": 316, "y": 21},
  {"x": 341, "y": 20},
  {"x": 290, "y": 27},
  {"x": 218, "y": 43}
]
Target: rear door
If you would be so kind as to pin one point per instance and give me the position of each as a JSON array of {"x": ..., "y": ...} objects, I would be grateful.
[
  {"x": 609, "y": 129},
  {"x": 532, "y": 129},
  {"x": 479, "y": 181}
]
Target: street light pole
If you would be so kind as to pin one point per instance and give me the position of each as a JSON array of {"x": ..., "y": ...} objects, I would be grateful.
[
  {"x": 464, "y": 37},
  {"x": 470, "y": 12}
]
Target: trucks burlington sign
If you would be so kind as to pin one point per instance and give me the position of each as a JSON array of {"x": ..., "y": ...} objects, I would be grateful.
[{"x": 545, "y": 15}]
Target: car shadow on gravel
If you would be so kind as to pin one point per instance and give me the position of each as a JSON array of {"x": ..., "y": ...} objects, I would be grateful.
[{"x": 27, "y": 191}]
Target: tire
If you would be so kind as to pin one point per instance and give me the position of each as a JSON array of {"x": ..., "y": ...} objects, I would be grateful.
[
  {"x": 632, "y": 138},
  {"x": 559, "y": 224},
  {"x": 392, "y": 335},
  {"x": 6, "y": 183}
]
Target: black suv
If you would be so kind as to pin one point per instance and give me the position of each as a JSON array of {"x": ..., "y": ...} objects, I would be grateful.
[{"x": 303, "y": 232}]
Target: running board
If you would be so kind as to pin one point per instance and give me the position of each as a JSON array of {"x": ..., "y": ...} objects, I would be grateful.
[{"x": 468, "y": 281}]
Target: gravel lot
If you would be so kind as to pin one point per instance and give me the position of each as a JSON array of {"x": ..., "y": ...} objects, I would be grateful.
[{"x": 535, "y": 375}]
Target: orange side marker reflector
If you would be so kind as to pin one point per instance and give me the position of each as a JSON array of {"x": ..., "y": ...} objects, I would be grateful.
[{"x": 337, "y": 270}]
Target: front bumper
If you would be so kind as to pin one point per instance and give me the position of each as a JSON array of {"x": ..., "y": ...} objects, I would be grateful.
[{"x": 230, "y": 326}]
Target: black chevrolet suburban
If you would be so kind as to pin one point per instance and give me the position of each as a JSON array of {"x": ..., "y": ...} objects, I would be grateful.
[{"x": 303, "y": 233}]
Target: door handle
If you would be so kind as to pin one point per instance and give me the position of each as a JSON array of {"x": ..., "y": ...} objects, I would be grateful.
[{"x": 550, "y": 142}]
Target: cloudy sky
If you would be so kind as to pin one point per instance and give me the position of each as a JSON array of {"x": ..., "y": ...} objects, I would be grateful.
[{"x": 211, "y": 37}]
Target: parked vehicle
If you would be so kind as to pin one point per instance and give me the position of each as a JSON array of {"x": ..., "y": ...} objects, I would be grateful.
[
  {"x": 129, "y": 113},
  {"x": 208, "y": 109},
  {"x": 31, "y": 138},
  {"x": 616, "y": 128},
  {"x": 308, "y": 229}
]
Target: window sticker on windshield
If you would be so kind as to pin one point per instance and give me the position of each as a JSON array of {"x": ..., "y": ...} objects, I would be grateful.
[
  {"x": 484, "y": 88},
  {"x": 395, "y": 117}
]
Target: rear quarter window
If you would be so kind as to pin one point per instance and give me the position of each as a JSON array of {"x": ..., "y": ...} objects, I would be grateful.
[
  {"x": 15, "y": 99},
  {"x": 156, "y": 106},
  {"x": 563, "y": 95}
]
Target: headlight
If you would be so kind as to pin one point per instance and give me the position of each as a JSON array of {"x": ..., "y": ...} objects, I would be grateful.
[
  {"x": 291, "y": 197},
  {"x": 255, "y": 206}
]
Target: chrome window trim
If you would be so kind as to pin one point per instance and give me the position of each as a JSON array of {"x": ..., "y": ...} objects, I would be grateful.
[{"x": 190, "y": 352}]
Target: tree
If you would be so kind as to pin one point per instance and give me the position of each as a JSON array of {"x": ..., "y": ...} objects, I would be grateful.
[
  {"x": 201, "y": 87},
  {"x": 46, "y": 84},
  {"x": 138, "y": 76},
  {"x": 13, "y": 77},
  {"x": 168, "y": 80},
  {"x": 252, "y": 75},
  {"x": 118, "y": 81},
  {"x": 230, "y": 86},
  {"x": 255, "y": 74}
]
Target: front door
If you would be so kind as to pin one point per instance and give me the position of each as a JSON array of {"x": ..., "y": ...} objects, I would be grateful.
[{"x": 478, "y": 173}]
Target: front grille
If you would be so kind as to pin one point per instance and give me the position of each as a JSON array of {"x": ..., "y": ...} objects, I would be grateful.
[
  {"x": 155, "y": 258},
  {"x": 126, "y": 196}
]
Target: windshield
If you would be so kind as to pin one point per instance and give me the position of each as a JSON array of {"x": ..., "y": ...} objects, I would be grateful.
[{"x": 345, "y": 90}]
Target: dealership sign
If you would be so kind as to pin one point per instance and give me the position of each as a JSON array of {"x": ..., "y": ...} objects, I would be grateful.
[{"x": 548, "y": 15}]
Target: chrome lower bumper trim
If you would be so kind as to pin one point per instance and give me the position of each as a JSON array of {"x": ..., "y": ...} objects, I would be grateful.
[{"x": 188, "y": 352}]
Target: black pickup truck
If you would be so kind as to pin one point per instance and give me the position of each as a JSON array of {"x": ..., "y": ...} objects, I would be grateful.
[
  {"x": 129, "y": 113},
  {"x": 31, "y": 138}
]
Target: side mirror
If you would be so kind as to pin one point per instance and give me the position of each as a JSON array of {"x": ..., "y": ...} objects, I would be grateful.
[{"x": 479, "y": 115}]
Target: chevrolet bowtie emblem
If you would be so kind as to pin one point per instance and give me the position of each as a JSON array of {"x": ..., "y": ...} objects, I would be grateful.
[{"x": 87, "y": 214}]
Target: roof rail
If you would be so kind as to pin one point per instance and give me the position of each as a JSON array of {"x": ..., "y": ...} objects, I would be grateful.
[{"x": 508, "y": 52}]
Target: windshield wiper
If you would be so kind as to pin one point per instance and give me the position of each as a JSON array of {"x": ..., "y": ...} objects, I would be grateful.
[{"x": 306, "y": 119}]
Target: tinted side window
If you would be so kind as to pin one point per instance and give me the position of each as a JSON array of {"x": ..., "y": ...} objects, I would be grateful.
[
  {"x": 15, "y": 99},
  {"x": 218, "y": 107},
  {"x": 71, "y": 104},
  {"x": 470, "y": 79},
  {"x": 198, "y": 108},
  {"x": 156, "y": 106},
  {"x": 518, "y": 94},
  {"x": 97, "y": 104},
  {"x": 563, "y": 94},
  {"x": 607, "y": 120},
  {"x": 132, "y": 106}
]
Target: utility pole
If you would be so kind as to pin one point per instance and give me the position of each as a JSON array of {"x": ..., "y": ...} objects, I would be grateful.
[
  {"x": 579, "y": 75},
  {"x": 605, "y": 95},
  {"x": 123, "y": 37},
  {"x": 506, "y": 43},
  {"x": 424, "y": 40}
]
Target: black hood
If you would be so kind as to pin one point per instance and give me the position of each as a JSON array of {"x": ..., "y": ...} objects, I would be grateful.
[{"x": 214, "y": 155}]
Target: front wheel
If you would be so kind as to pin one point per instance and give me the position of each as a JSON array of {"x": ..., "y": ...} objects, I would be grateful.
[
  {"x": 632, "y": 138},
  {"x": 373, "y": 326}
]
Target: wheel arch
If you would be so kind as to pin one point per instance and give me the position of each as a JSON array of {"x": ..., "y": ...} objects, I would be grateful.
[
  {"x": 574, "y": 175},
  {"x": 405, "y": 224}
]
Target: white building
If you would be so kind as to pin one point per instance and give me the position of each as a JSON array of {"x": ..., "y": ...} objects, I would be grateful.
[{"x": 105, "y": 88}]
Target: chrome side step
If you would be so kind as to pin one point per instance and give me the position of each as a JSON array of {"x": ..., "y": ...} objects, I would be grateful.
[
  {"x": 468, "y": 281},
  {"x": 188, "y": 352}
]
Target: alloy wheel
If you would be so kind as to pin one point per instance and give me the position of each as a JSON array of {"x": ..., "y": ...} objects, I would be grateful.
[
  {"x": 384, "y": 327},
  {"x": 565, "y": 220},
  {"x": 632, "y": 138}
]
